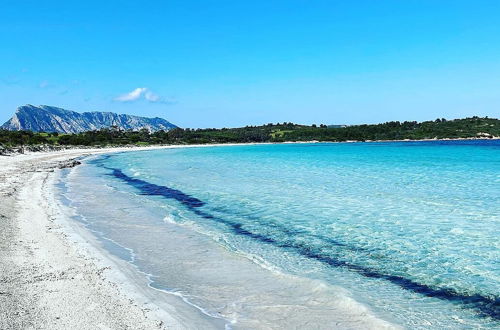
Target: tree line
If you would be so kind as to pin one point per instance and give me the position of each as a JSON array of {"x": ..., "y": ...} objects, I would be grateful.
[{"x": 280, "y": 132}]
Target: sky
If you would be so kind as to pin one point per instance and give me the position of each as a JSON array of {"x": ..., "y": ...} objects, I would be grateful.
[{"x": 236, "y": 63}]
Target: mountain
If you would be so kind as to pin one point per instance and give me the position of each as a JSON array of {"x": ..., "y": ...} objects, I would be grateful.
[{"x": 45, "y": 118}]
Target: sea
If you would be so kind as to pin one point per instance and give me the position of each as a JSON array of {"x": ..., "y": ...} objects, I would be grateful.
[{"x": 306, "y": 235}]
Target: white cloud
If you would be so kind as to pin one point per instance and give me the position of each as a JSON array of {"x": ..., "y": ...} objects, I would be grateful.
[
  {"x": 143, "y": 93},
  {"x": 131, "y": 96},
  {"x": 44, "y": 84}
]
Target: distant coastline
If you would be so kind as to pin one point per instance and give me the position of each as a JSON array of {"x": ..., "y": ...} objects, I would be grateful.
[
  {"x": 51, "y": 148},
  {"x": 439, "y": 129}
]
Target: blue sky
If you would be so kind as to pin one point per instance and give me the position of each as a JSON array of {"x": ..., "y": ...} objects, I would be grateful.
[{"x": 233, "y": 63}]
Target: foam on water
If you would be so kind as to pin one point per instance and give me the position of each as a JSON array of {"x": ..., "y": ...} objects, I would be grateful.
[{"x": 333, "y": 235}]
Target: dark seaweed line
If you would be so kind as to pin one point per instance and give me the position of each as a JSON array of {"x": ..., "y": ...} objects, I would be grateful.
[
  {"x": 298, "y": 232},
  {"x": 488, "y": 307}
]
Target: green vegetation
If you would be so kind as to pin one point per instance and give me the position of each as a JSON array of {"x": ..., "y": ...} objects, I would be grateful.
[{"x": 440, "y": 128}]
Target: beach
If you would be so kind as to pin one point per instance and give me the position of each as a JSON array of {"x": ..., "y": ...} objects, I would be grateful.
[
  {"x": 52, "y": 276},
  {"x": 96, "y": 246}
]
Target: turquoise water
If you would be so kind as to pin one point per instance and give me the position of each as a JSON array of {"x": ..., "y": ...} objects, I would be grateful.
[{"x": 404, "y": 232}]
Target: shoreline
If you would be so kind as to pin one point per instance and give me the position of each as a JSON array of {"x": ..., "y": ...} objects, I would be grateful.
[
  {"x": 105, "y": 149},
  {"x": 52, "y": 273}
]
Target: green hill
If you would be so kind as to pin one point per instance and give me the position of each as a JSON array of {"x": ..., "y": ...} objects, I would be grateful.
[{"x": 438, "y": 129}]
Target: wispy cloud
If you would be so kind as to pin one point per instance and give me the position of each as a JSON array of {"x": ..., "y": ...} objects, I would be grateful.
[
  {"x": 143, "y": 93},
  {"x": 151, "y": 97}
]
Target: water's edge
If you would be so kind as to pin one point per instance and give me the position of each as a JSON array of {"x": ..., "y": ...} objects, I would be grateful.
[
  {"x": 120, "y": 268},
  {"x": 115, "y": 250}
]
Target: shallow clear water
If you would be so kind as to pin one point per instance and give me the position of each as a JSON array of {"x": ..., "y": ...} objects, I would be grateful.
[{"x": 402, "y": 232}]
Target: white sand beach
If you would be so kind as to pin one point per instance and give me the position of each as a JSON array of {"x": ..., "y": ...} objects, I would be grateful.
[{"x": 51, "y": 274}]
